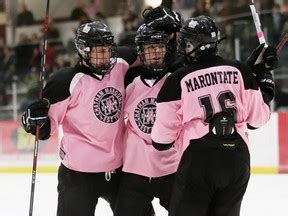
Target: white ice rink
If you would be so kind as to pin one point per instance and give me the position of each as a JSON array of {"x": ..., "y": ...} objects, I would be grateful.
[{"x": 267, "y": 195}]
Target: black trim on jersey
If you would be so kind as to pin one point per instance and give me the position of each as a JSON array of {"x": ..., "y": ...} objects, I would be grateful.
[
  {"x": 131, "y": 74},
  {"x": 57, "y": 87},
  {"x": 171, "y": 89},
  {"x": 143, "y": 78},
  {"x": 127, "y": 53},
  {"x": 247, "y": 75},
  {"x": 87, "y": 70},
  {"x": 162, "y": 147},
  {"x": 139, "y": 71}
]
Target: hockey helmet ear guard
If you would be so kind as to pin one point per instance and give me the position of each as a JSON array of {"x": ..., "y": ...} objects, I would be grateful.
[
  {"x": 197, "y": 36},
  {"x": 95, "y": 34},
  {"x": 150, "y": 36}
]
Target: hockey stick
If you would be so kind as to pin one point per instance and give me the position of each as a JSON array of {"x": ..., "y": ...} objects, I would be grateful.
[
  {"x": 282, "y": 43},
  {"x": 260, "y": 34},
  {"x": 42, "y": 72}
]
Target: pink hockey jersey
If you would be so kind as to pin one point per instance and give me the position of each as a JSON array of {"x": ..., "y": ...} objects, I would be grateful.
[
  {"x": 191, "y": 96},
  {"x": 90, "y": 112},
  {"x": 140, "y": 157}
]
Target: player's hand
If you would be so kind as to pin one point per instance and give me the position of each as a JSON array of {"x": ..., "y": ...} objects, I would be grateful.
[
  {"x": 262, "y": 70},
  {"x": 162, "y": 18},
  {"x": 266, "y": 84},
  {"x": 269, "y": 60},
  {"x": 35, "y": 115}
]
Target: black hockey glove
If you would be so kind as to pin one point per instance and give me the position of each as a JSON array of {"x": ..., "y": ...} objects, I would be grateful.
[
  {"x": 35, "y": 115},
  {"x": 162, "y": 18},
  {"x": 269, "y": 60},
  {"x": 262, "y": 70},
  {"x": 267, "y": 85}
]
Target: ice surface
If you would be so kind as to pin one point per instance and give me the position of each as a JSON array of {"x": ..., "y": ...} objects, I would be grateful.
[{"x": 267, "y": 195}]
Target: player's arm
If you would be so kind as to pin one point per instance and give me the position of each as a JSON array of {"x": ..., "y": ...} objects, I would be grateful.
[
  {"x": 256, "y": 109},
  {"x": 263, "y": 70},
  {"x": 168, "y": 115},
  {"x": 48, "y": 112}
]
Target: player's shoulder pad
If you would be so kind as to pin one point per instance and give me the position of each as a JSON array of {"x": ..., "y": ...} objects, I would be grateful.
[
  {"x": 132, "y": 73},
  {"x": 171, "y": 89},
  {"x": 58, "y": 84}
]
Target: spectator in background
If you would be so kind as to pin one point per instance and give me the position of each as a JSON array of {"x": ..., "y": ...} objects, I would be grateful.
[
  {"x": 32, "y": 84},
  {"x": 78, "y": 12},
  {"x": 7, "y": 58},
  {"x": 203, "y": 7},
  {"x": 25, "y": 17},
  {"x": 91, "y": 9},
  {"x": 131, "y": 23},
  {"x": 53, "y": 32},
  {"x": 7, "y": 71},
  {"x": 100, "y": 17}
]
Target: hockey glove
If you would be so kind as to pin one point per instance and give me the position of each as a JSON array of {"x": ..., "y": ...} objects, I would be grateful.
[
  {"x": 163, "y": 19},
  {"x": 35, "y": 115},
  {"x": 269, "y": 60},
  {"x": 262, "y": 70},
  {"x": 267, "y": 85}
]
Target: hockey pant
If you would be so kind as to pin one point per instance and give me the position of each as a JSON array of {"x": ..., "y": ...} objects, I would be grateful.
[
  {"x": 78, "y": 192},
  {"x": 137, "y": 192},
  {"x": 212, "y": 177}
]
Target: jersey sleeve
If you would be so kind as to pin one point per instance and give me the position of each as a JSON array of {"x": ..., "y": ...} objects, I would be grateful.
[
  {"x": 168, "y": 107},
  {"x": 256, "y": 106},
  {"x": 57, "y": 91}
]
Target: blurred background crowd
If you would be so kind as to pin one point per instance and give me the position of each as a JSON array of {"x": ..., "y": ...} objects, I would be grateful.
[{"x": 21, "y": 37}]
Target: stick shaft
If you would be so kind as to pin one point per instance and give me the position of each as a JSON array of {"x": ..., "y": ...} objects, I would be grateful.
[
  {"x": 257, "y": 24},
  {"x": 36, "y": 144},
  {"x": 260, "y": 33}
]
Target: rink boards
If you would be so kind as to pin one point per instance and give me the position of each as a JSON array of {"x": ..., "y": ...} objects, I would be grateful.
[{"x": 268, "y": 148}]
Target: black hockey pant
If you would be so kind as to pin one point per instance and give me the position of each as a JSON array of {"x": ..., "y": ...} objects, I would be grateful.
[
  {"x": 212, "y": 177},
  {"x": 137, "y": 192},
  {"x": 78, "y": 192}
]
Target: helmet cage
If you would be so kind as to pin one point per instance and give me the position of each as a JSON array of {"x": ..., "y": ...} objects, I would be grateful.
[
  {"x": 84, "y": 43},
  {"x": 149, "y": 36}
]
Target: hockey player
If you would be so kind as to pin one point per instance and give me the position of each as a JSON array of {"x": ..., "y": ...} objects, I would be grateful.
[
  {"x": 163, "y": 19},
  {"x": 87, "y": 101},
  {"x": 208, "y": 104},
  {"x": 148, "y": 173}
]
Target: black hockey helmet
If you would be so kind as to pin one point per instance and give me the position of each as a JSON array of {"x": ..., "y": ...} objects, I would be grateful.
[
  {"x": 91, "y": 35},
  {"x": 198, "y": 36},
  {"x": 148, "y": 35}
]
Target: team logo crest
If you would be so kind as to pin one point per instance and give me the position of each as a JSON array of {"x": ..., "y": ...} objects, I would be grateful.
[
  {"x": 145, "y": 114},
  {"x": 107, "y": 105}
]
